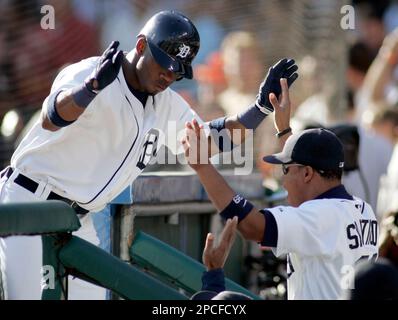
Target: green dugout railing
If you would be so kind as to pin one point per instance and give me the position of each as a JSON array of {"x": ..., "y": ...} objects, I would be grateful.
[
  {"x": 90, "y": 263},
  {"x": 70, "y": 255},
  {"x": 172, "y": 265},
  {"x": 37, "y": 218}
]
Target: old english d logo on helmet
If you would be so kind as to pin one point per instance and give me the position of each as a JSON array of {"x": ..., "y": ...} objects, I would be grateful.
[
  {"x": 184, "y": 51},
  {"x": 173, "y": 40}
]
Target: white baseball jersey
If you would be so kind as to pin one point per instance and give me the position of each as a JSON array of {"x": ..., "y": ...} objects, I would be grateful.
[
  {"x": 92, "y": 160},
  {"x": 323, "y": 239}
]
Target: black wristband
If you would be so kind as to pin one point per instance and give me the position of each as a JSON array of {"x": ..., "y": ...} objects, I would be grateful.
[
  {"x": 239, "y": 207},
  {"x": 54, "y": 116},
  {"x": 283, "y": 132}
]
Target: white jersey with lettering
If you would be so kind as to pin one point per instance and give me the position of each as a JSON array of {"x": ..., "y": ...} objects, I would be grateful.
[
  {"x": 92, "y": 160},
  {"x": 323, "y": 239}
]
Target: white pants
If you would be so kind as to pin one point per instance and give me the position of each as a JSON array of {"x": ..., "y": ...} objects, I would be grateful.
[{"x": 21, "y": 256}]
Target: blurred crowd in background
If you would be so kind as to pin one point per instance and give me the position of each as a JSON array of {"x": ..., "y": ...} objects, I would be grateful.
[{"x": 348, "y": 78}]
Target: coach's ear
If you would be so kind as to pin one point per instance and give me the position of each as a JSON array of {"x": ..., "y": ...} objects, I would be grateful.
[
  {"x": 140, "y": 45},
  {"x": 308, "y": 173}
]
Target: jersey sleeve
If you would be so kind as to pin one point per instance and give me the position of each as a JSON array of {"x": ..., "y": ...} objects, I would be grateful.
[
  {"x": 70, "y": 77},
  {"x": 180, "y": 113},
  {"x": 307, "y": 230}
]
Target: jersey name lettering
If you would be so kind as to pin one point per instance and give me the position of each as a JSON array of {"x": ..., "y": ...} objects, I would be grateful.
[{"x": 363, "y": 234}]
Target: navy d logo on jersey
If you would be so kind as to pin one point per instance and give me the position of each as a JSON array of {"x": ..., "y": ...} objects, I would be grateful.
[
  {"x": 184, "y": 51},
  {"x": 149, "y": 148}
]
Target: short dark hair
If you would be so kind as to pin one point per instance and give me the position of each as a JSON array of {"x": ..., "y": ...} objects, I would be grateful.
[{"x": 332, "y": 174}]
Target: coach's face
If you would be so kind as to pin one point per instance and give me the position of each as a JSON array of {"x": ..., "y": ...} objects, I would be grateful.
[
  {"x": 295, "y": 181},
  {"x": 152, "y": 77}
]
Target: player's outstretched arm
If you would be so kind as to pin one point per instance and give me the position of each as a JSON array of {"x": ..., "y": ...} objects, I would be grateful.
[
  {"x": 241, "y": 125},
  {"x": 251, "y": 221},
  {"x": 70, "y": 104},
  {"x": 65, "y": 111}
]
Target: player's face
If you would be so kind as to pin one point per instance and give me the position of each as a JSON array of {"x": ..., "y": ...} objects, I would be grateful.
[
  {"x": 153, "y": 78},
  {"x": 293, "y": 182}
]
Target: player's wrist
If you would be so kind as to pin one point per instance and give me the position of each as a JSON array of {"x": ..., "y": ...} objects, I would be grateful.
[
  {"x": 82, "y": 95},
  {"x": 239, "y": 207},
  {"x": 266, "y": 109},
  {"x": 252, "y": 117},
  {"x": 220, "y": 134},
  {"x": 89, "y": 84},
  {"x": 283, "y": 132},
  {"x": 201, "y": 168},
  {"x": 213, "y": 268}
]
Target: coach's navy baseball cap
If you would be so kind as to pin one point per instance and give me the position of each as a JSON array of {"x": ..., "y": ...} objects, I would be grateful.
[{"x": 318, "y": 148}]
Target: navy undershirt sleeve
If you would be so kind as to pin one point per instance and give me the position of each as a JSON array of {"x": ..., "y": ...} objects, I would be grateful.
[
  {"x": 270, "y": 237},
  {"x": 213, "y": 280}
]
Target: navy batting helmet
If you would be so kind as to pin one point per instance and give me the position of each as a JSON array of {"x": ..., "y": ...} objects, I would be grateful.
[{"x": 173, "y": 41}]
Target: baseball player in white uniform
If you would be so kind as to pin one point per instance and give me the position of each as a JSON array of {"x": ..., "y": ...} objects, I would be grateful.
[
  {"x": 103, "y": 121},
  {"x": 324, "y": 231}
]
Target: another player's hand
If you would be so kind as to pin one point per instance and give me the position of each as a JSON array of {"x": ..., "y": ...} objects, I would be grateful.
[
  {"x": 195, "y": 145},
  {"x": 282, "y": 107},
  {"x": 282, "y": 69},
  {"x": 214, "y": 257},
  {"x": 107, "y": 68}
]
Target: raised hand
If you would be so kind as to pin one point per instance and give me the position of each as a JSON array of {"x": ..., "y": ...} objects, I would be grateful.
[
  {"x": 107, "y": 68},
  {"x": 214, "y": 257},
  {"x": 285, "y": 68},
  {"x": 282, "y": 107},
  {"x": 195, "y": 145}
]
